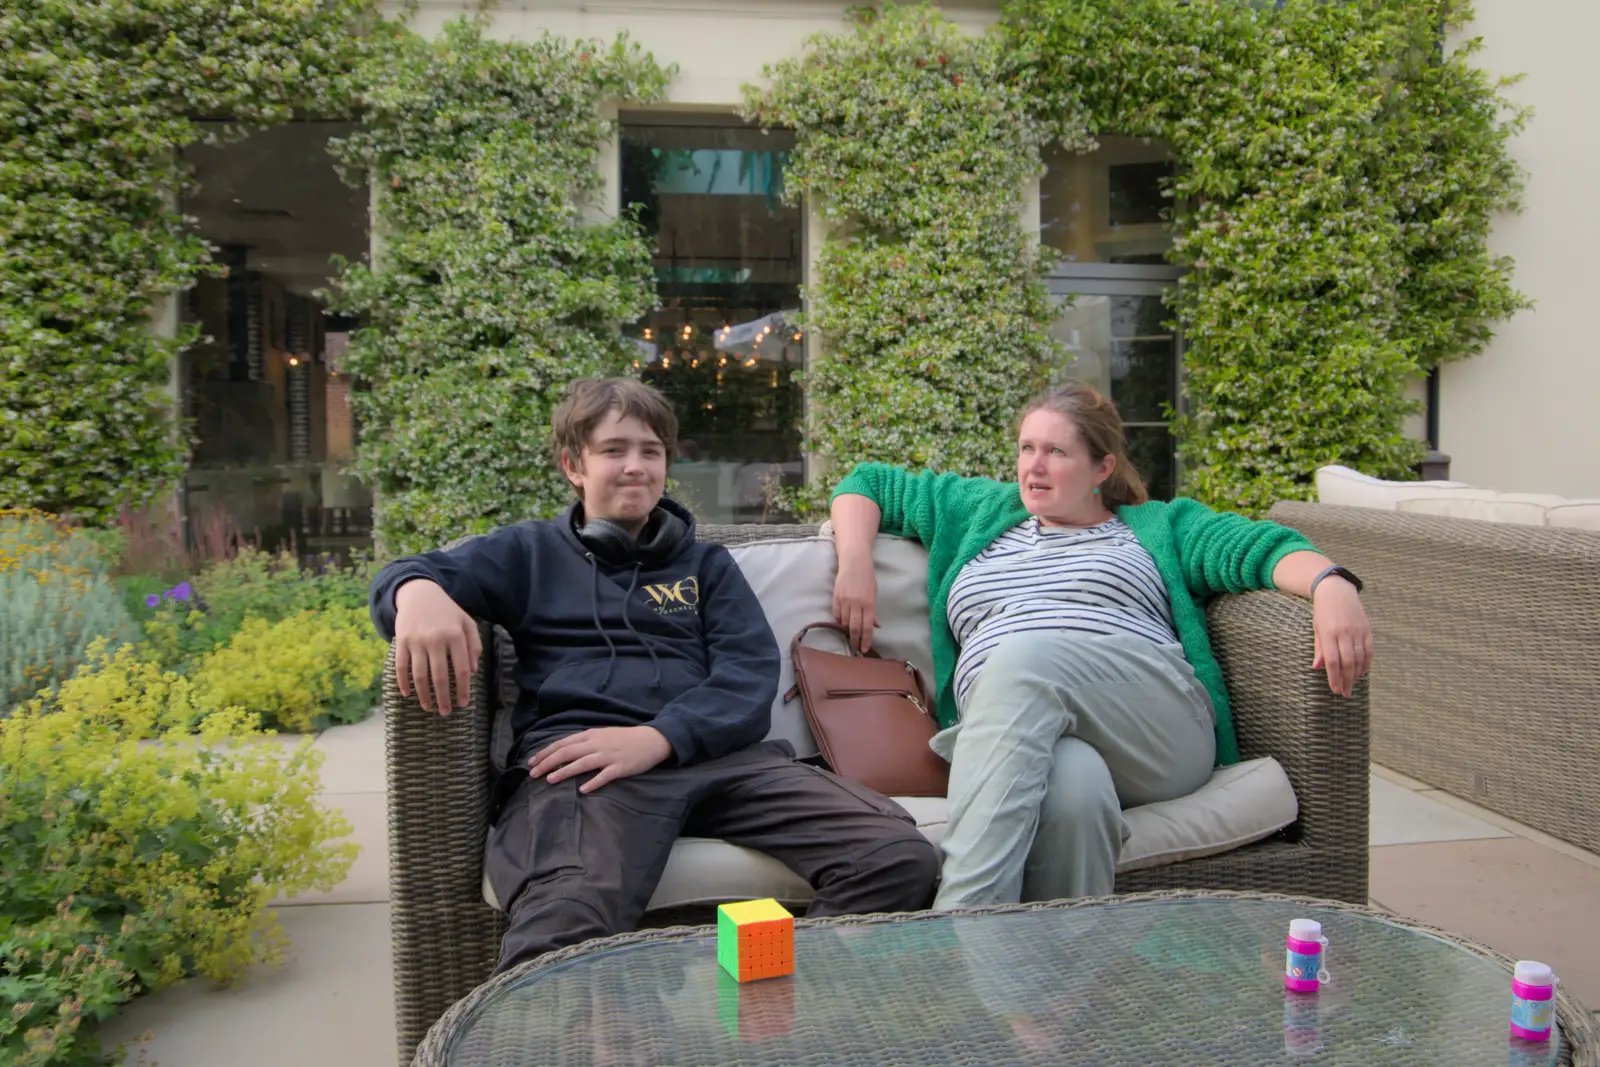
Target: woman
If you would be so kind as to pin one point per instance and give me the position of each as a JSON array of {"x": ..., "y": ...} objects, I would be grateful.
[{"x": 1074, "y": 671}]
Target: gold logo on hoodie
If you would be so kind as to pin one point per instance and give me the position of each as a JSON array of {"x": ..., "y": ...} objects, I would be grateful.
[{"x": 676, "y": 597}]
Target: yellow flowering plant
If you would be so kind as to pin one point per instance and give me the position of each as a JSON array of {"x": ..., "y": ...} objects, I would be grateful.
[
  {"x": 133, "y": 853},
  {"x": 303, "y": 673}
]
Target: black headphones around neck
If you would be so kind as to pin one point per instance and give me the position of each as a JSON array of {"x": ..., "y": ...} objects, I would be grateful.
[{"x": 613, "y": 544}]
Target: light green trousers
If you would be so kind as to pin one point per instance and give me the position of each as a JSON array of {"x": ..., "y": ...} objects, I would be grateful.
[{"x": 1061, "y": 731}]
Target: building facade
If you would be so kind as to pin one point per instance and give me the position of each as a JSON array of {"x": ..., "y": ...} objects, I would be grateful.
[
  {"x": 732, "y": 262},
  {"x": 1522, "y": 416}
]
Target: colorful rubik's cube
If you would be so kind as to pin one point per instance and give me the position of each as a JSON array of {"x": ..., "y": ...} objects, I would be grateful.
[{"x": 755, "y": 939}]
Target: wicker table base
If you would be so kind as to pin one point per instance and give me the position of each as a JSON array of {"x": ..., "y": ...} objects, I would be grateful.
[{"x": 1158, "y": 978}]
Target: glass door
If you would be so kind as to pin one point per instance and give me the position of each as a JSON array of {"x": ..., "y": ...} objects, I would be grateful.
[
  {"x": 724, "y": 345},
  {"x": 1107, "y": 216},
  {"x": 1117, "y": 339}
]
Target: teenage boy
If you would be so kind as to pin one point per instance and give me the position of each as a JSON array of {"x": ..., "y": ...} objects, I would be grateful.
[{"x": 646, "y": 672}]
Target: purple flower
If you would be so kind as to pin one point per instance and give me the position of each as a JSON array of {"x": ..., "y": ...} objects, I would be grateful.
[
  {"x": 181, "y": 591},
  {"x": 153, "y": 600}
]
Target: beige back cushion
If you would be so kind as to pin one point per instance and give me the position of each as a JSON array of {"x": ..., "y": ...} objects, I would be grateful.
[
  {"x": 1494, "y": 509},
  {"x": 793, "y": 580},
  {"x": 1350, "y": 488},
  {"x": 1575, "y": 515}
]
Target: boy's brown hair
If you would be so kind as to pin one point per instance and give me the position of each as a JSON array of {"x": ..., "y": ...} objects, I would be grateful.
[{"x": 589, "y": 400}]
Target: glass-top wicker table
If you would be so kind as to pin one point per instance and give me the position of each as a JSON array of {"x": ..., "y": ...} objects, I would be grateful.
[{"x": 1160, "y": 978}]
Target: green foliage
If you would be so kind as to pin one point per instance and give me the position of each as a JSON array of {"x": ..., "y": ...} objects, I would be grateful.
[
  {"x": 133, "y": 856},
  {"x": 914, "y": 141},
  {"x": 251, "y": 585},
  {"x": 491, "y": 291},
  {"x": 1337, "y": 180},
  {"x": 308, "y": 671},
  {"x": 97, "y": 98},
  {"x": 55, "y": 600}
]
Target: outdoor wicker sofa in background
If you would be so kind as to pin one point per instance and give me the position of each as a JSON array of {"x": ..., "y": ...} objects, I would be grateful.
[
  {"x": 445, "y": 938},
  {"x": 1484, "y": 681}
]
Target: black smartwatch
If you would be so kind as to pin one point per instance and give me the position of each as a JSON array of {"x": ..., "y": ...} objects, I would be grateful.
[{"x": 1342, "y": 572}]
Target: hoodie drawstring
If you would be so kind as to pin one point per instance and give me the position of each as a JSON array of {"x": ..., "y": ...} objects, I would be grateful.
[
  {"x": 594, "y": 571},
  {"x": 633, "y": 585},
  {"x": 655, "y": 682}
]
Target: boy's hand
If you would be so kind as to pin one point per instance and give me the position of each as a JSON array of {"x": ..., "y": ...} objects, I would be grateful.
[
  {"x": 612, "y": 752},
  {"x": 431, "y": 635}
]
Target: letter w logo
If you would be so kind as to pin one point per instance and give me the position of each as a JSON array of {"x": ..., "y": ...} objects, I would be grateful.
[{"x": 682, "y": 595}]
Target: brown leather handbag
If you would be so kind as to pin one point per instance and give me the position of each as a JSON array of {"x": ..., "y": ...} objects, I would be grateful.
[{"x": 872, "y": 717}]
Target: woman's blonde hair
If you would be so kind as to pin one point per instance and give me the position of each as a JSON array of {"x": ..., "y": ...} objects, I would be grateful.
[{"x": 1099, "y": 427}]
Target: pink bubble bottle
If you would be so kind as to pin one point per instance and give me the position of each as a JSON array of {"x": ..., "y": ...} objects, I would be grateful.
[
  {"x": 1304, "y": 969},
  {"x": 1533, "y": 1001}
]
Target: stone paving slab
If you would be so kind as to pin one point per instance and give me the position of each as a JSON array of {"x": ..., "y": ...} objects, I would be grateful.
[
  {"x": 1400, "y": 816},
  {"x": 330, "y": 1005},
  {"x": 1515, "y": 895},
  {"x": 353, "y": 757}
]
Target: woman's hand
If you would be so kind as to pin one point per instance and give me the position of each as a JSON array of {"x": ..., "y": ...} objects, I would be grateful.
[
  {"x": 855, "y": 601},
  {"x": 1343, "y": 635}
]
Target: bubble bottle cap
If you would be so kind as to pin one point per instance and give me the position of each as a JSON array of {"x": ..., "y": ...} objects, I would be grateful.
[{"x": 1531, "y": 972}]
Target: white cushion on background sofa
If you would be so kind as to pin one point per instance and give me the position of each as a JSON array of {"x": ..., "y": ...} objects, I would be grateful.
[
  {"x": 1489, "y": 509},
  {"x": 1455, "y": 500},
  {"x": 1350, "y": 488}
]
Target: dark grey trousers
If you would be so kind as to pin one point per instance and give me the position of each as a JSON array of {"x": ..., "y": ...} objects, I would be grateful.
[{"x": 572, "y": 866}]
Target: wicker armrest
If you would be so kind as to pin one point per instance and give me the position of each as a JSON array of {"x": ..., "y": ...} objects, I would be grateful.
[
  {"x": 1284, "y": 709},
  {"x": 445, "y": 938}
]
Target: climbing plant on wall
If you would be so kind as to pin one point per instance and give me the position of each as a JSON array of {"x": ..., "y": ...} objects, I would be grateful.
[
  {"x": 97, "y": 101},
  {"x": 1338, "y": 173},
  {"x": 914, "y": 143},
  {"x": 491, "y": 290}
]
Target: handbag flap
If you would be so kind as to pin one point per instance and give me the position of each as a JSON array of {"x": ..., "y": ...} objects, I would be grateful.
[{"x": 871, "y": 718}]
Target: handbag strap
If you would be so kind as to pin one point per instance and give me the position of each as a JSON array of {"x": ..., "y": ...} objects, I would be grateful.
[{"x": 799, "y": 639}]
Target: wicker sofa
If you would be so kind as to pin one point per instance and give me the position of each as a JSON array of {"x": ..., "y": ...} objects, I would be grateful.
[
  {"x": 1484, "y": 682},
  {"x": 445, "y": 937}
]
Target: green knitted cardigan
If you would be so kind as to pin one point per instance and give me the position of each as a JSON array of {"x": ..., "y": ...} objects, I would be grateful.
[{"x": 1199, "y": 553}]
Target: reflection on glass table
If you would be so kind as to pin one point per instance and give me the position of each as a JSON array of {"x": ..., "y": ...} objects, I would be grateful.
[{"x": 1164, "y": 979}]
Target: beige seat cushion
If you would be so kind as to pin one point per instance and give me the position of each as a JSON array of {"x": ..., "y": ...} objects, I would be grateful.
[
  {"x": 1240, "y": 804},
  {"x": 1350, "y": 488}
]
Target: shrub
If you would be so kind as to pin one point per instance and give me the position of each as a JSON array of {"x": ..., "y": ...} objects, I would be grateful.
[
  {"x": 300, "y": 673},
  {"x": 493, "y": 290},
  {"x": 55, "y": 599},
  {"x": 1338, "y": 174},
  {"x": 914, "y": 141},
  {"x": 101, "y": 98},
  {"x": 190, "y": 620},
  {"x": 131, "y": 856}
]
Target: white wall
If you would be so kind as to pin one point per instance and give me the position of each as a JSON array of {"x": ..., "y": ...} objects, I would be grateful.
[
  {"x": 1522, "y": 417},
  {"x": 719, "y": 45}
]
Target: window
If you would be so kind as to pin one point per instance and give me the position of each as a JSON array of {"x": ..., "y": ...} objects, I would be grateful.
[
  {"x": 723, "y": 345},
  {"x": 271, "y": 412},
  {"x": 1104, "y": 212}
]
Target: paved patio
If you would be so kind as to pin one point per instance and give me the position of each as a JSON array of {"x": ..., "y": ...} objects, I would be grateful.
[{"x": 1434, "y": 858}]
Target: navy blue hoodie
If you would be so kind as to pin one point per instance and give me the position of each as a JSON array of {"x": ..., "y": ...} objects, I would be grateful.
[{"x": 680, "y": 643}]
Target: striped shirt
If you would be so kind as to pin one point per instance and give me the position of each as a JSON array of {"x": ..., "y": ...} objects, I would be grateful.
[{"x": 1098, "y": 580}]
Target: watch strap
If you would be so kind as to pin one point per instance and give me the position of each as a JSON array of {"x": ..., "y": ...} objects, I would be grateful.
[{"x": 1342, "y": 572}]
